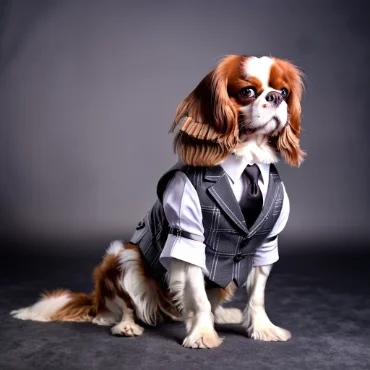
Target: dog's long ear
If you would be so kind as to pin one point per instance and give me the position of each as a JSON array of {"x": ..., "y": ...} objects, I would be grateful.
[
  {"x": 207, "y": 121},
  {"x": 288, "y": 140}
]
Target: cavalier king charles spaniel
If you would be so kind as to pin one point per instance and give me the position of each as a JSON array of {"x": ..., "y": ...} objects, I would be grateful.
[{"x": 246, "y": 105}]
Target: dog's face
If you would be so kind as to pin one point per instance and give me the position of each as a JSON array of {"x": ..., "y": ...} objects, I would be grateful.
[
  {"x": 244, "y": 98},
  {"x": 260, "y": 89}
]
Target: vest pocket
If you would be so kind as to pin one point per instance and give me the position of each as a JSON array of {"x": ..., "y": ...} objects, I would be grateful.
[
  {"x": 224, "y": 242},
  {"x": 141, "y": 229}
]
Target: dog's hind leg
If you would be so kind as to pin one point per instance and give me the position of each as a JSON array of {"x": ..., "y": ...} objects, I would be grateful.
[
  {"x": 140, "y": 294},
  {"x": 217, "y": 296},
  {"x": 127, "y": 326},
  {"x": 106, "y": 319}
]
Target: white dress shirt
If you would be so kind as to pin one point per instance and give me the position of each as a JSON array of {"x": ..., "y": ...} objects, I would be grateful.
[{"x": 182, "y": 209}]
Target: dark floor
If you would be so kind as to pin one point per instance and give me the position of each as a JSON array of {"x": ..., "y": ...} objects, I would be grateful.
[{"x": 324, "y": 300}]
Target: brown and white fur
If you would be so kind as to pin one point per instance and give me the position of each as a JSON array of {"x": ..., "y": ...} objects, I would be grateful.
[{"x": 249, "y": 106}]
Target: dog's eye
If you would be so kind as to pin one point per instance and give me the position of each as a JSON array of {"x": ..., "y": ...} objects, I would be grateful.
[
  {"x": 247, "y": 92},
  {"x": 284, "y": 92}
]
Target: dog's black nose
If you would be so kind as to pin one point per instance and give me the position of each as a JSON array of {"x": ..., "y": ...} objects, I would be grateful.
[{"x": 274, "y": 98}]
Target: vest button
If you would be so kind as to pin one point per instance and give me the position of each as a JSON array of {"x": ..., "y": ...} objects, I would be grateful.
[
  {"x": 246, "y": 241},
  {"x": 140, "y": 225},
  {"x": 238, "y": 257}
]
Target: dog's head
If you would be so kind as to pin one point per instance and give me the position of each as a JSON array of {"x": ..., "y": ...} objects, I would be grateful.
[{"x": 244, "y": 99}]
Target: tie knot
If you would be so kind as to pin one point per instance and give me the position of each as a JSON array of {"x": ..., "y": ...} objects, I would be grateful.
[{"x": 252, "y": 173}]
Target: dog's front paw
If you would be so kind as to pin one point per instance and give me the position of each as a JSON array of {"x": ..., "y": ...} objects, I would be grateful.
[
  {"x": 202, "y": 337},
  {"x": 201, "y": 332},
  {"x": 259, "y": 327},
  {"x": 270, "y": 333},
  {"x": 127, "y": 329}
]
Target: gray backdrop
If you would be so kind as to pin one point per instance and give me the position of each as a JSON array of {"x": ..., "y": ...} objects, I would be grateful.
[{"x": 88, "y": 90}]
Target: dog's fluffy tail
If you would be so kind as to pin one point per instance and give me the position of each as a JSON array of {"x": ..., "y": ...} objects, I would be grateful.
[{"x": 59, "y": 305}]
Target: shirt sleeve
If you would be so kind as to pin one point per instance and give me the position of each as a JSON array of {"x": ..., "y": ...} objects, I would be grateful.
[
  {"x": 268, "y": 252},
  {"x": 182, "y": 209}
]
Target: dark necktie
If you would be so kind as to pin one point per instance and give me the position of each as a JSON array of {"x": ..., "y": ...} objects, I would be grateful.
[{"x": 251, "y": 201}]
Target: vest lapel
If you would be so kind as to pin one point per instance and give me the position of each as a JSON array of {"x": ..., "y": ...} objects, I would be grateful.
[{"x": 222, "y": 193}]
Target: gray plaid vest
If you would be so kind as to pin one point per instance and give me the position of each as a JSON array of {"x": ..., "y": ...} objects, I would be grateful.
[{"x": 230, "y": 246}]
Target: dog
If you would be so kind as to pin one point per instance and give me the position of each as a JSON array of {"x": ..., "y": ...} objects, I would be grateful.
[{"x": 194, "y": 248}]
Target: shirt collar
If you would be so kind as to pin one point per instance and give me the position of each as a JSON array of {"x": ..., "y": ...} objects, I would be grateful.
[{"x": 234, "y": 167}]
